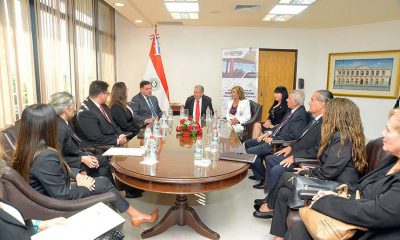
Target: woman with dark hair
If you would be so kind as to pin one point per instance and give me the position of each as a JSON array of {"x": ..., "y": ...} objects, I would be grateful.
[
  {"x": 39, "y": 162},
  {"x": 276, "y": 112},
  {"x": 378, "y": 208},
  {"x": 342, "y": 159},
  {"x": 120, "y": 111}
]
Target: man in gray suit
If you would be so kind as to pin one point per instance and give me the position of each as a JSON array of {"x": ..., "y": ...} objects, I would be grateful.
[{"x": 145, "y": 106}]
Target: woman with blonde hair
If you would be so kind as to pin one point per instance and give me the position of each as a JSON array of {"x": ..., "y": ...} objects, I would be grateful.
[
  {"x": 238, "y": 110},
  {"x": 37, "y": 158},
  {"x": 378, "y": 209},
  {"x": 342, "y": 159}
]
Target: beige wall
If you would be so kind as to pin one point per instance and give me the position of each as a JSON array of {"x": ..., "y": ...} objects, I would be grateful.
[{"x": 192, "y": 55}]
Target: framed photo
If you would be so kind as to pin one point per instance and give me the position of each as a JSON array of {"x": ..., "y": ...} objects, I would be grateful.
[{"x": 364, "y": 74}]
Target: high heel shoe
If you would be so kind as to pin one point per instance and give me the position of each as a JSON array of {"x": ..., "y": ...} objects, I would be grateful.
[{"x": 138, "y": 222}]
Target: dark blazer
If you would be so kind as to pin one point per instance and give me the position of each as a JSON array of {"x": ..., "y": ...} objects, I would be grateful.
[
  {"x": 95, "y": 128},
  {"x": 276, "y": 114},
  {"x": 141, "y": 110},
  {"x": 49, "y": 177},
  {"x": 334, "y": 165},
  {"x": 124, "y": 119},
  {"x": 69, "y": 144},
  {"x": 378, "y": 209},
  {"x": 205, "y": 102},
  {"x": 307, "y": 145},
  {"x": 11, "y": 228},
  {"x": 293, "y": 129}
]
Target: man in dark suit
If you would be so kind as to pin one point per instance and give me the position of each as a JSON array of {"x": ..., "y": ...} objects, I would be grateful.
[
  {"x": 290, "y": 128},
  {"x": 306, "y": 146},
  {"x": 145, "y": 106},
  {"x": 197, "y": 103},
  {"x": 95, "y": 121}
]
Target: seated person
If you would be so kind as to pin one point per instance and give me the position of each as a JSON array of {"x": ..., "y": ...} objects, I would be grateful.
[
  {"x": 64, "y": 106},
  {"x": 120, "y": 111},
  {"x": 379, "y": 208},
  {"x": 238, "y": 110},
  {"x": 276, "y": 113},
  {"x": 145, "y": 106},
  {"x": 290, "y": 128},
  {"x": 94, "y": 118},
  {"x": 197, "y": 104},
  {"x": 37, "y": 158},
  {"x": 341, "y": 155}
]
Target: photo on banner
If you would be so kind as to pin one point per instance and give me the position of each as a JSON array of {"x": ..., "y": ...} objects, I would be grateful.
[{"x": 239, "y": 68}]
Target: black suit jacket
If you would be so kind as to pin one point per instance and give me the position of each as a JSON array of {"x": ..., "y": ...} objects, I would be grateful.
[
  {"x": 95, "y": 129},
  {"x": 141, "y": 110},
  {"x": 11, "y": 228},
  {"x": 293, "y": 129},
  {"x": 205, "y": 102},
  {"x": 124, "y": 119},
  {"x": 49, "y": 177},
  {"x": 307, "y": 145},
  {"x": 276, "y": 114},
  {"x": 336, "y": 165},
  {"x": 378, "y": 209},
  {"x": 69, "y": 144}
]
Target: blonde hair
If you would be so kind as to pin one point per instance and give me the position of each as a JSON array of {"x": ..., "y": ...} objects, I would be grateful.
[
  {"x": 240, "y": 92},
  {"x": 396, "y": 114},
  {"x": 343, "y": 116}
]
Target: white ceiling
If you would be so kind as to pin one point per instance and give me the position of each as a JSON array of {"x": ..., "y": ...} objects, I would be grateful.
[{"x": 321, "y": 14}]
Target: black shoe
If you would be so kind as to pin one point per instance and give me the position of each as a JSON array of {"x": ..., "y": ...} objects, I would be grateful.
[
  {"x": 264, "y": 215},
  {"x": 259, "y": 185},
  {"x": 133, "y": 194},
  {"x": 252, "y": 178},
  {"x": 260, "y": 201},
  {"x": 256, "y": 207}
]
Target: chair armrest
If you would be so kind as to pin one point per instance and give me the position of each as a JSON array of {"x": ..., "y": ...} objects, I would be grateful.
[
  {"x": 307, "y": 195},
  {"x": 283, "y": 142},
  {"x": 308, "y": 165},
  {"x": 88, "y": 149},
  {"x": 104, "y": 147},
  {"x": 313, "y": 161}
]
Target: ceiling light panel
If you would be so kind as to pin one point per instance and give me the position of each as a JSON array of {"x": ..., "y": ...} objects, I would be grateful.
[
  {"x": 182, "y": 6},
  {"x": 277, "y": 18},
  {"x": 297, "y": 2},
  {"x": 288, "y": 9}
]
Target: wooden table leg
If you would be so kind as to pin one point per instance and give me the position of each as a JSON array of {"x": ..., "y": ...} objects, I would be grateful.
[{"x": 181, "y": 214}]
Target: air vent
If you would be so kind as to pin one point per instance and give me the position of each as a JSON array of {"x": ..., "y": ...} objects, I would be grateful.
[
  {"x": 246, "y": 8},
  {"x": 170, "y": 23}
]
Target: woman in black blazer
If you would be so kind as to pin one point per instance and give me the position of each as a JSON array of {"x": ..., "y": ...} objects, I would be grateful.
[
  {"x": 276, "y": 113},
  {"x": 379, "y": 208},
  {"x": 120, "y": 111},
  {"x": 39, "y": 162},
  {"x": 341, "y": 155}
]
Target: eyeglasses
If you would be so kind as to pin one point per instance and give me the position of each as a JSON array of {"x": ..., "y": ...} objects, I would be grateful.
[{"x": 107, "y": 93}]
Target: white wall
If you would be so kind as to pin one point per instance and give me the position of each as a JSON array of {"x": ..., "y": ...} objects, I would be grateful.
[{"x": 192, "y": 55}]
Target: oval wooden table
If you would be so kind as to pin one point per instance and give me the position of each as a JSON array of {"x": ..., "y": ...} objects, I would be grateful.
[{"x": 176, "y": 173}]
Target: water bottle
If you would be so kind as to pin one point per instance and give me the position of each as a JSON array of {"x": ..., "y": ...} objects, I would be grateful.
[
  {"x": 152, "y": 149},
  {"x": 156, "y": 128},
  {"x": 147, "y": 134},
  {"x": 171, "y": 113},
  {"x": 163, "y": 121},
  {"x": 208, "y": 114},
  {"x": 182, "y": 113},
  {"x": 219, "y": 125},
  {"x": 198, "y": 149}
]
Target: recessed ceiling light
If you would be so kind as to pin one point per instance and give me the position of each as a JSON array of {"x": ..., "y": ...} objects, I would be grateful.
[
  {"x": 277, "y": 18},
  {"x": 118, "y": 4},
  {"x": 297, "y": 2},
  {"x": 138, "y": 21},
  {"x": 182, "y": 6},
  {"x": 288, "y": 9}
]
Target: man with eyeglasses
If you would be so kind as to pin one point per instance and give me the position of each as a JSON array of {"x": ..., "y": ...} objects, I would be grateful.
[{"x": 95, "y": 121}]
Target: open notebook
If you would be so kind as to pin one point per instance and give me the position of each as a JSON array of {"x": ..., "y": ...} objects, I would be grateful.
[{"x": 87, "y": 224}]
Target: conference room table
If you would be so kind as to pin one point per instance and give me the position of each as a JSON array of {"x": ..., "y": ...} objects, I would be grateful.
[{"x": 176, "y": 173}]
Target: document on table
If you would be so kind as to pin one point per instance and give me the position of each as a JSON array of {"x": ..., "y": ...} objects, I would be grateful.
[
  {"x": 116, "y": 151},
  {"x": 87, "y": 224}
]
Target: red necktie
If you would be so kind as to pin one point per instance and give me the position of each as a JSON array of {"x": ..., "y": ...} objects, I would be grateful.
[
  {"x": 105, "y": 114},
  {"x": 197, "y": 112}
]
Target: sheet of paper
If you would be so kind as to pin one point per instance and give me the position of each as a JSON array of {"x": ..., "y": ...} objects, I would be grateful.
[
  {"x": 116, "y": 151},
  {"x": 87, "y": 224}
]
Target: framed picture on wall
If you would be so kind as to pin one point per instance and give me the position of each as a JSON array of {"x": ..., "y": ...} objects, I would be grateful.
[{"x": 364, "y": 74}]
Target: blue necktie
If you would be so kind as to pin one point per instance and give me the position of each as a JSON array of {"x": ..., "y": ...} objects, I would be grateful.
[{"x": 153, "y": 112}]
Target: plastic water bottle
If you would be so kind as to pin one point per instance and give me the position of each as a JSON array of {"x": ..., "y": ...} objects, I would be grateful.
[
  {"x": 208, "y": 114},
  {"x": 147, "y": 134},
  {"x": 156, "y": 128},
  {"x": 182, "y": 113},
  {"x": 219, "y": 125},
  {"x": 152, "y": 149},
  {"x": 170, "y": 113},
  {"x": 198, "y": 149},
  {"x": 163, "y": 121},
  {"x": 214, "y": 140}
]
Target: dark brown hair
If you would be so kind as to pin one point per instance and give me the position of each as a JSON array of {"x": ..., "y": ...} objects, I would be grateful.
[
  {"x": 38, "y": 131},
  {"x": 118, "y": 94}
]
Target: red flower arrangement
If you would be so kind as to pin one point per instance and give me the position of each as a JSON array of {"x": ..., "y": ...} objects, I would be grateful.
[{"x": 188, "y": 128}]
